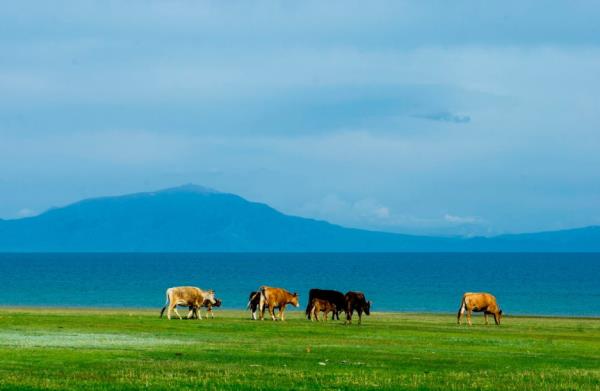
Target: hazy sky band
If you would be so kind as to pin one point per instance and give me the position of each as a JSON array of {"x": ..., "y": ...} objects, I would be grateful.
[{"x": 436, "y": 117}]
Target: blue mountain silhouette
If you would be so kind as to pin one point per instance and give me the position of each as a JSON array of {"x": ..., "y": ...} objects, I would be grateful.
[{"x": 193, "y": 218}]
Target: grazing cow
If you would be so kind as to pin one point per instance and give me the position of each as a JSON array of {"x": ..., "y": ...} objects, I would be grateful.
[
  {"x": 188, "y": 296},
  {"x": 320, "y": 305},
  {"x": 274, "y": 298},
  {"x": 193, "y": 314},
  {"x": 334, "y": 297},
  {"x": 356, "y": 301},
  {"x": 479, "y": 302}
]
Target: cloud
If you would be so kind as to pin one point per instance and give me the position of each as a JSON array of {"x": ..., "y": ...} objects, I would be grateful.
[
  {"x": 26, "y": 212},
  {"x": 446, "y": 117},
  {"x": 372, "y": 214},
  {"x": 360, "y": 212},
  {"x": 462, "y": 219}
]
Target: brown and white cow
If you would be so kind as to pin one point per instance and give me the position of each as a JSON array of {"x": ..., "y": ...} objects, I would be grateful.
[
  {"x": 275, "y": 298},
  {"x": 356, "y": 301},
  {"x": 320, "y": 305},
  {"x": 189, "y": 296},
  {"x": 479, "y": 302}
]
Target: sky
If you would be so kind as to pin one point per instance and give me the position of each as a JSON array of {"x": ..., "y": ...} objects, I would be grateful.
[{"x": 427, "y": 117}]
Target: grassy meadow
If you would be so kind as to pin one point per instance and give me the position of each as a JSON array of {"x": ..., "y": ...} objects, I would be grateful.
[{"x": 131, "y": 349}]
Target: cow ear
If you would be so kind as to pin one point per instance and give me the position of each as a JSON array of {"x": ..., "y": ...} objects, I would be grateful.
[{"x": 296, "y": 294}]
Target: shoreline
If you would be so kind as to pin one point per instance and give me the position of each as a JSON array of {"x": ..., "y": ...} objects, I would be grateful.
[{"x": 149, "y": 310}]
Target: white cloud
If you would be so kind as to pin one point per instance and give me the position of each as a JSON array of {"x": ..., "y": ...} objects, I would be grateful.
[
  {"x": 462, "y": 219},
  {"x": 26, "y": 212}
]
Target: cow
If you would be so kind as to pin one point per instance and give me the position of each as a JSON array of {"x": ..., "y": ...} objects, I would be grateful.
[
  {"x": 254, "y": 303},
  {"x": 274, "y": 298},
  {"x": 186, "y": 296},
  {"x": 479, "y": 302},
  {"x": 334, "y": 297},
  {"x": 356, "y": 301},
  {"x": 320, "y": 305},
  {"x": 193, "y": 313}
]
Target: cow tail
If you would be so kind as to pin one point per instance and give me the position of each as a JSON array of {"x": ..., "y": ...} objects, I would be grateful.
[
  {"x": 308, "y": 305},
  {"x": 166, "y": 303},
  {"x": 462, "y": 307}
]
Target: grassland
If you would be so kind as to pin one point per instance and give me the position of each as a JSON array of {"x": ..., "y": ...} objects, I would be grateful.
[{"x": 130, "y": 349}]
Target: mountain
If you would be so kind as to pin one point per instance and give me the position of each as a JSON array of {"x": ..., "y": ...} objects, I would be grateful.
[
  {"x": 585, "y": 239},
  {"x": 193, "y": 218}
]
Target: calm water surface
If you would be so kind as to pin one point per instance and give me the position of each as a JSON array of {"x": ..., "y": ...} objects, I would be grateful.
[{"x": 550, "y": 284}]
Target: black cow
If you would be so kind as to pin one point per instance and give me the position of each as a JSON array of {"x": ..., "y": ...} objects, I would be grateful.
[
  {"x": 356, "y": 301},
  {"x": 334, "y": 297}
]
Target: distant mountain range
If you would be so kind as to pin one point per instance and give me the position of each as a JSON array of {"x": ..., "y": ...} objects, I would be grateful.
[{"x": 196, "y": 219}]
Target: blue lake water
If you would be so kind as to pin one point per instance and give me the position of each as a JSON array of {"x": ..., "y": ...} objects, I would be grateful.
[{"x": 549, "y": 284}]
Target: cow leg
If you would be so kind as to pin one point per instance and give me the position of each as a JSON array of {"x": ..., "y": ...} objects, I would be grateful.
[
  {"x": 359, "y": 316},
  {"x": 325, "y": 315},
  {"x": 485, "y": 317},
  {"x": 461, "y": 311},
  {"x": 272, "y": 311},
  {"x": 281, "y": 312},
  {"x": 210, "y": 311},
  {"x": 191, "y": 313},
  {"x": 177, "y": 313},
  {"x": 171, "y": 306},
  {"x": 496, "y": 319},
  {"x": 469, "y": 317},
  {"x": 349, "y": 316},
  {"x": 261, "y": 307},
  {"x": 315, "y": 313}
]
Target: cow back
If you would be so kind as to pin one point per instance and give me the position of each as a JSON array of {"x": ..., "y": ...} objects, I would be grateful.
[{"x": 332, "y": 296}]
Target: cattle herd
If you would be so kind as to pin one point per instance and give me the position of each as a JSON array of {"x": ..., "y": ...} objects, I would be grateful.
[{"x": 323, "y": 301}]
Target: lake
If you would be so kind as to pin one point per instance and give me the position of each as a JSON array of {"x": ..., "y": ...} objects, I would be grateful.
[{"x": 524, "y": 283}]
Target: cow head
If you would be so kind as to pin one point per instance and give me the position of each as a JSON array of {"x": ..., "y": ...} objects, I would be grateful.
[
  {"x": 294, "y": 299},
  {"x": 210, "y": 296},
  {"x": 218, "y": 303},
  {"x": 367, "y": 307},
  {"x": 498, "y": 317}
]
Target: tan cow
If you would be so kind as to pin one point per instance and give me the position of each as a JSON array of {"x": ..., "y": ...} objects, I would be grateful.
[
  {"x": 479, "y": 302},
  {"x": 189, "y": 296},
  {"x": 275, "y": 298}
]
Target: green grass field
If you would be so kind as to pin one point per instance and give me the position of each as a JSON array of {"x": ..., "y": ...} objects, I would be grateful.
[{"x": 120, "y": 349}]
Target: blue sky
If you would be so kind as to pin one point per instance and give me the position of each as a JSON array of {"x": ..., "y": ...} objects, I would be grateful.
[{"x": 433, "y": 117}]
